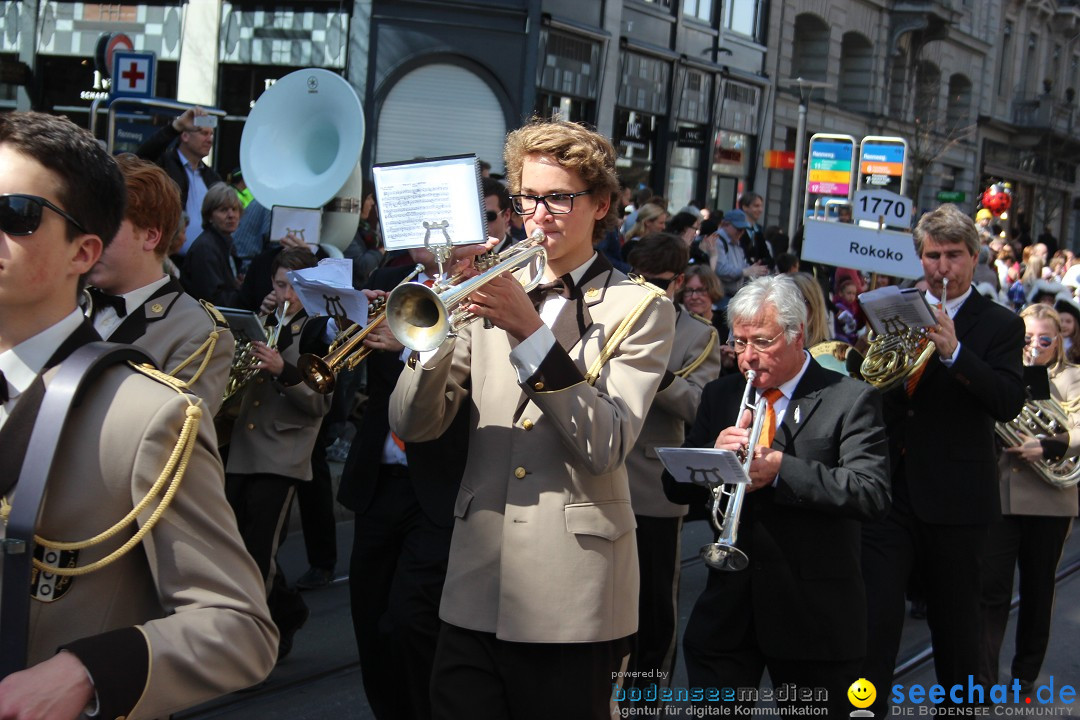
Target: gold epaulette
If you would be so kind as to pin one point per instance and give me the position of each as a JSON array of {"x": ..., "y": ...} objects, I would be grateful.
[
  {"x": 616, "y": 338},
  {"x": 168, "y": 481},
  {"x": 696, "y": 363}
]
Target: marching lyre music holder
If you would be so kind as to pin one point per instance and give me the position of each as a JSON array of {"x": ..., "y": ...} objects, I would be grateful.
[{"x": 440, "y": 251}]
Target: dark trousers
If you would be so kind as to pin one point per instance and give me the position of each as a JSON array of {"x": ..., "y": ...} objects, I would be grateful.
[
  {"x": 396, "y": 575},
  {"x": 479, "y": 676},
  {"x": 316, "y": 500},
  {"x": 261, "y": 503},
  {"x": 949, "y": 559},
  {"x": 658, "y": 613},
  {"x": 723, "y": 652},
  {"x": 1035, "y": 544}
]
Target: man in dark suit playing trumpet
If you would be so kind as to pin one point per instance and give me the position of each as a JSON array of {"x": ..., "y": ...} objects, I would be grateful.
[
  {"x": 945, "y": 489},
  {"x": 819, "y": 469}
]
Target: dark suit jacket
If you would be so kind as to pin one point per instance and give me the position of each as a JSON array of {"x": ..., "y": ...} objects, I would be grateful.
[
  {"x": 160, "y": 148},
  {"x": 944, "y": 433},
  {"x": 207, "y": 274},
  {"x": 435, "y": 466},
  {"x": 803, "y": 590}
]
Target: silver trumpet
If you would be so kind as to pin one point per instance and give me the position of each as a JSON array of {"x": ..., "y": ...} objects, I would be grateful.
[
  {"x": 722, "y": 554},
  {"x": 422, "y": 317}
]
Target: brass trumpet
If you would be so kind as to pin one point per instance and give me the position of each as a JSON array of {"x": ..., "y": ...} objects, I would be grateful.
[
  {"x": 422, "y": 317},
  {"x": 722, "y": 554},
  {"x": 347, "y": 350}
]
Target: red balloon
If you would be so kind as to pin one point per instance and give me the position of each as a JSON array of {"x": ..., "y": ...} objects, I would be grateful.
[{"x": 996, "y": 199}]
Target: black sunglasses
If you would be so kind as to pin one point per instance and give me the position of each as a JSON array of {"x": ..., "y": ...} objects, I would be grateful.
[
  {"x": 492, "y": 216},
  {"x": 20, "y": 215}
]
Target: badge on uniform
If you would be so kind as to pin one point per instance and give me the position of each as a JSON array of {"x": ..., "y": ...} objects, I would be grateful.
[
  {"x": 49, "y": 587},
  {"x": 796, "y": 415}
]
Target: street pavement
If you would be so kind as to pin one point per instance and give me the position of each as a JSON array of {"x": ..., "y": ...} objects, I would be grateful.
[{"x": 321, "y": 679}]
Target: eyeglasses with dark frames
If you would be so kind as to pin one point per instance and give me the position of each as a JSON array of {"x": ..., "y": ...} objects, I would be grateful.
[
  {"x": 556, "y": 203},
  {"x": 20, "y": 214}
]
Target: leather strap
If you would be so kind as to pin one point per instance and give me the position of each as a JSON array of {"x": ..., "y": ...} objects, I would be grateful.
[{"x": 63, "y": 393}]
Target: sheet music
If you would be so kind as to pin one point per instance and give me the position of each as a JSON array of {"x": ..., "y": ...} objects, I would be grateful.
[
  {"x": 885, "y": 306},
  {"x": 703, "y": 466},
  {"x": 326, "y": 289}
]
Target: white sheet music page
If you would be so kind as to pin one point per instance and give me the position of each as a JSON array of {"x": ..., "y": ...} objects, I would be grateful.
[
  {"x": 888, "y": 305},
  {"x": 703, "y": 466}
]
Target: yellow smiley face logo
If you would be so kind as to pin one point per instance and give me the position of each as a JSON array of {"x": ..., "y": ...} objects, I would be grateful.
[{"x": 862, "y": 693}]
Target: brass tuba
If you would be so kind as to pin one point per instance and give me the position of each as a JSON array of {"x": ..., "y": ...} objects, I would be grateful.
[
  {"x": 422, "y": 317},
  {"x": 1039, "y": 419}
]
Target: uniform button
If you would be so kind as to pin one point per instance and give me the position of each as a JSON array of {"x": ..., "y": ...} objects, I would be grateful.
[
  {"x": 527, "y": 424},
  {"x": 538, "y": 386},
  {"x": 251, "y": 426},
  {"x": 259, "y": 381},
  {"x": 911, "y": 413},
  {"x": 519, "y": 473},
  {"x": 257, "y": 403}
]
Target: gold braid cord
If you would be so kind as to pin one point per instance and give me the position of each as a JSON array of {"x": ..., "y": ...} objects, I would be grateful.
[
  {"x": 702, "y": 357},
  {"x": 613, "y": 343},
  {"x": 207, "y": 348},
  {"x": 171, "y": 475}
]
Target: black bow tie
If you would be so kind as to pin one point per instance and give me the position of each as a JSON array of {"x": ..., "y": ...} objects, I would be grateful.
[
  {"x": 101, "y": 300},
  {"x": 561, "y": 286},
  {"x": 4, "y": 397}
]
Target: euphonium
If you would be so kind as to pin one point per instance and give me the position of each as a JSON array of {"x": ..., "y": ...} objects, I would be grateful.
[
  {"x": 422, "y": 317},
  {"x": 898, "y": 354},
  {"x": 1039, "y": 419},
  {"x": 722, "y": 554},
  {"x": 347, "y": 350}
]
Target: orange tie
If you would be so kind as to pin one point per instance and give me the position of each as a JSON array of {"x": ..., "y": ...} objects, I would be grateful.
[
  {"x": 912, "y": 381},
  {"x": 768, "y": 428}
]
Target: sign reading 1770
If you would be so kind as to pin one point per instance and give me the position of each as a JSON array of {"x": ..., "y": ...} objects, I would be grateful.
[{"x": 882, "y": 207}]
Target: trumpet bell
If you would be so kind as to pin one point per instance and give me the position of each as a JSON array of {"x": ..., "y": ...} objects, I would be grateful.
[
  {"x": 721, "y": 556},
  {"x": 417, "y": 316},
  {"x": 317, "y": 373}
]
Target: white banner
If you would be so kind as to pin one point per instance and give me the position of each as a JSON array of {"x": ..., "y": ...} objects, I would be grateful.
[{"x": 877, "y": 251}]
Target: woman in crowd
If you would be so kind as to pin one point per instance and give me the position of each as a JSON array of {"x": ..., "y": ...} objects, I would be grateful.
[
  {"x": 1036, "y": 517},
  {"x": 650, "y": 218},
  {"x": 818, "y": 322},
  {"x": 1069, "y": 315},
  {"x": 210, "y": 268}
]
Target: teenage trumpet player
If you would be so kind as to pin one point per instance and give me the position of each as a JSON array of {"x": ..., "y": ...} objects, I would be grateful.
[
  {"x": 944, "y": 480},
  {"x": 272, "y": 439},
  {"x": 541, "y": 591},
  {"x": 819, "y": 470},
  {"x": 1036, "y": 516}
]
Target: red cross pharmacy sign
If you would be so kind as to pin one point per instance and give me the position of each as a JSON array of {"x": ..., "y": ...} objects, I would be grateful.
[{"x": 134, "y": 74}]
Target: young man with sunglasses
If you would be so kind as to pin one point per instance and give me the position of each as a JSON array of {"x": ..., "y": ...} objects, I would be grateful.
[
  {"x": 944, "y": 475},
  {"x": 819, "y": 470},
  {"x": 179, "y": 618},
  {"x": 132, "y": 300},
  {"x": 497, "y": 209},
  {"x": 661, "y": 259},
  {"x": 540, "y": 598}
]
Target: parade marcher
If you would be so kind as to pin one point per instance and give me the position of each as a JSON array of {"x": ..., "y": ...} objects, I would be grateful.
[
  {"x": 403, "y": 498},
  {"x": 132, "y": 300},
  {"x": 271, "y": 445},
  {"x": 180, "y": 618},
  {"x": 540, "y": 598},
  {"x": 944, "y": 478},
  {"x": 1036, "y": 518},
  {"x": 822, "y": 470},
  {"x": 695, "y": 360}
]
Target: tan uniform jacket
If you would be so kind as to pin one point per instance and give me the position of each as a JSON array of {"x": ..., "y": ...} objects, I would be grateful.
[
  {"x": 674, "y": 406},
  {"x": 1023, "y": 491},
  {"x": 279, "y": 418},
  {"x": 182, "y": 617},
  {"x": 543, "y": 548},
  {"x": 174, "y": 328}
]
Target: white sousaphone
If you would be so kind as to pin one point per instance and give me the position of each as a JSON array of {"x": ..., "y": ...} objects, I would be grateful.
[{"x": 301, "y": 148}]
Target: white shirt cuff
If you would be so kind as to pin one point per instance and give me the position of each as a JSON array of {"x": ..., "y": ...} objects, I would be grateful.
[
  {"x": 948, "y": 362},
  {"x": 529, "y": 354}
]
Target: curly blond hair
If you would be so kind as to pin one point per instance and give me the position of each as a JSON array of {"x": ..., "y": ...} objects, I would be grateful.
[{"x": 575, "y": 148}]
